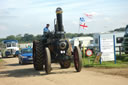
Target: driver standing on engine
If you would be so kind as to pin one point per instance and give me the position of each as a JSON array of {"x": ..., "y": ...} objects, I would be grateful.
[{"x": 46, "y": 30}]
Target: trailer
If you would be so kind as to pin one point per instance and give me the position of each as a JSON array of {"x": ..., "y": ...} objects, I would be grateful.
[
  {"x": 9, "y": 48},
  {"x": 84, "y": 41}
]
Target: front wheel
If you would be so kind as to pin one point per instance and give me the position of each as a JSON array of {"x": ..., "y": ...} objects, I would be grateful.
[
  {"x": 77, "y": 59},
  {"x": 47, "y": 61}
]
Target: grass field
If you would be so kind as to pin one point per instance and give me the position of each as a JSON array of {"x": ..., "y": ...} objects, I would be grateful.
[
  {"x": 0, "y": 60},
  {"x": 1, "y": 63},
  {"x": 120, "y": 62}
]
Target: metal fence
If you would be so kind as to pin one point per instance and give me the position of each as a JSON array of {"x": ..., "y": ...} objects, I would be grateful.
[{"x": 120, "y": 50}]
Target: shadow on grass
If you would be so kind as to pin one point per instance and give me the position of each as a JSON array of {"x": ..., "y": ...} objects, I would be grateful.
[
  {"x": 122, "y": 58},
  {"x": 88, "y": 66}
]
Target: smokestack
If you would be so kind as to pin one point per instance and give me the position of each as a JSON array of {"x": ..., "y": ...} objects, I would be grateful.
[{"x": 59, "y": 19}]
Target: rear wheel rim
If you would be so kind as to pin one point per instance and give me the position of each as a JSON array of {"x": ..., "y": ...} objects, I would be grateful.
[{"x": 76, "y": 59}]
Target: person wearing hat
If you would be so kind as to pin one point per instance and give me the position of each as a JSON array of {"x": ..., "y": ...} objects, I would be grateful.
[{"x": 46, "y": 30}]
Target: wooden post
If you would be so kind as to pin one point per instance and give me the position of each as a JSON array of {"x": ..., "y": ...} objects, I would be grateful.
[{"x": 97, "y": 58}]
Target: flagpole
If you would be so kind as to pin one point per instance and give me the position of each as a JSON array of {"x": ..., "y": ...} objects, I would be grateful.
[{"x": 79, "y": 26}]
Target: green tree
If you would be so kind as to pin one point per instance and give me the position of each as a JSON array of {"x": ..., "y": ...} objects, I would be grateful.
[
  {"x": 11, "y": 37},
  {"x": 27, "y": 38},
  {"x": 19, "y": 37},
  {"x": 38, "y": 37}
]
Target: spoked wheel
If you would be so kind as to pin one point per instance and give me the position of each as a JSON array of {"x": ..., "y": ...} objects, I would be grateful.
[
  {"x": 48, "y": 60},
  {"x": 77, "y": 59},
  {"x": 65, "y": 64}
]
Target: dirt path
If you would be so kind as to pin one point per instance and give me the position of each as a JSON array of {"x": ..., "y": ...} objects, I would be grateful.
[
  {"x": 15, "y": 74},
  {"x": 111, "y": 71}
]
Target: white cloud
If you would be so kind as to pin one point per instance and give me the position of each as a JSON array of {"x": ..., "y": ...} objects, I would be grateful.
[
  {"x": 3, "y": 12},
  {"x": 94, "y": 13},
  {"x": 3, "y": 28},
  {"x": 75, "y": 22},
  {"x": 90, "y": 20},
  {"x": 107, "y": 19},
  {"x": 30, "y": 15}
]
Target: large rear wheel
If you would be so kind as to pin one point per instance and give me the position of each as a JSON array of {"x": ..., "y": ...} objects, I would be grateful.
[
  {"x": 48, "y": 60},
  {"x": 77, "y": 59},
  {"x": 38, "y": 55}
]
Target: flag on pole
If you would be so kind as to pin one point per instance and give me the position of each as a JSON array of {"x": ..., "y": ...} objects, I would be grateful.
[
  {"x": 82, "y": 19},
  {"x": 82, "y": 22},
  {"x": 88, "y": 15},
  {"x": 83, "y": 25}
]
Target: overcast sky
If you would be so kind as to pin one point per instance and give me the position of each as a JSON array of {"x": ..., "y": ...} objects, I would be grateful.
[{"x": 31, "y": 16}]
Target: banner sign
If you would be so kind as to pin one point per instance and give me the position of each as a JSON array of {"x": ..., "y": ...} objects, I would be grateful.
[{"x": 107, "y": 49}]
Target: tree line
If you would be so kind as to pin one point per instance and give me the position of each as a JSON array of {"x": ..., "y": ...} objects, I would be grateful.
[
  {"x": 28, "y": 38},
  {"x": 121, "y": 29}
]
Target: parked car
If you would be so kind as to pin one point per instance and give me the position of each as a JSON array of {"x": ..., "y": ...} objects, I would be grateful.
[{"x": 25, "y": 56}]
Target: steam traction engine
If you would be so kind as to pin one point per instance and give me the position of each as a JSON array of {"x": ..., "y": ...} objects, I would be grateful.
[{"x": 55, "y": 48}]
